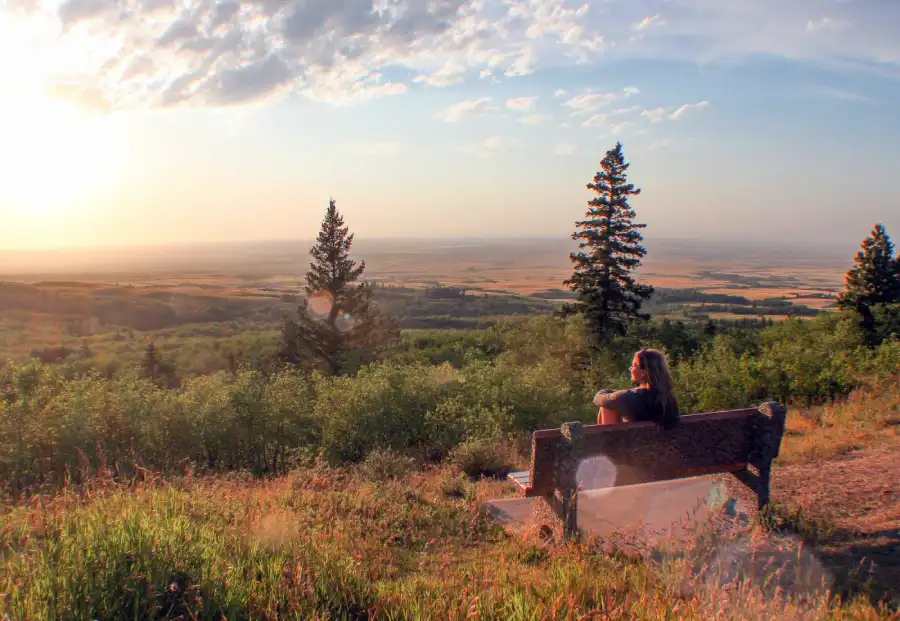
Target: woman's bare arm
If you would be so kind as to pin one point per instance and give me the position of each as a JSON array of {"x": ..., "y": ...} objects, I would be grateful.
[
  {"x": 613, "y": 405},
  {"x": 608, "y": 417}
]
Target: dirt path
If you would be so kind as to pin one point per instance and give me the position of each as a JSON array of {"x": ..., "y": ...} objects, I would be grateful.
[{"x": 853, "y": 506}]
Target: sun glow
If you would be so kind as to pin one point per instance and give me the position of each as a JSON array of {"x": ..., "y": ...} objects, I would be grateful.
[{"x": 51, "y": 153}]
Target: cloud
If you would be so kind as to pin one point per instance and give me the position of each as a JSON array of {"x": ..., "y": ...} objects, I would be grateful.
[
  {"x": 619, "y": 128},
  {"x": 658, "y": 115},
  {"x": 655, "y": 115},
  {"x": 843, "y": 95},
  {"x": 85, "y": 96},
  {"x": 825, "y": 23},
  {"x": 597, "y": 120},
  {"x": 589, "y": 102},
  {"x": 560, "y": 92},
  {"x": 564, "y": 149},
  {"x": 708, "y": 31},
  {"x": 466, "y": 109},
  {"x": 225, "y": 52},
  {"x": 647, "y": 22},
  {"x": 522, "y": 104},
  {"x": 385, "y": 148},
  {"x": 489, "y": 148},
  {"x": 451, "y": 73},
  {"x": 535, "y": 119},
  {"x": 688, "y": 109},
  {"x": 248, "y": 82},
  {"x": 329, "y": 50},
  {"x": 624, "y": 111},
  {"x": 523, "y": 65}
]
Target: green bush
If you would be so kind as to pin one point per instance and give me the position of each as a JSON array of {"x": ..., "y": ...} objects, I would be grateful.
[
  {"x": 385, "y": 464},
  {"x": 66, "y": 423},
  {"x": 479, "y": 457}
]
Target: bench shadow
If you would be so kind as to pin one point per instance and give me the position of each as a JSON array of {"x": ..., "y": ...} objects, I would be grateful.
[{"x": 865, "y": 564}]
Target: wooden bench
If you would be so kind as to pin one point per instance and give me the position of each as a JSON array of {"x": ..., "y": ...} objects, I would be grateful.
[{"x": 741, "y": 442}]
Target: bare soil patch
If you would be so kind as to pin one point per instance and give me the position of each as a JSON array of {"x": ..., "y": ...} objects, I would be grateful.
[{"x": 856, "y": 500}]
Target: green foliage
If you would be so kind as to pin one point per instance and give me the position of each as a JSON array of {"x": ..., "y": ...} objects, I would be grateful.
[
  {"x": 875, "y": 280},
  {"x": 63, "y": 422},
  {"x": 385, "y": 464},
  {"x": 482, "y": 457},
  {"x": 337, "y": 328},
  {"x": 609, "y": 251}
]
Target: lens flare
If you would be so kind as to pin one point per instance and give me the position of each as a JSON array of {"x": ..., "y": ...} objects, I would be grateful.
[{"x": 320, "y": 304}]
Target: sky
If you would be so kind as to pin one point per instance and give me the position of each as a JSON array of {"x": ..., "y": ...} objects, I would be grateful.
[{"x": 154, "y": 121}]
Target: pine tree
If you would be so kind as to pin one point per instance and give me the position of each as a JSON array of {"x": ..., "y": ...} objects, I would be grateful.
[
  {"x": 609, "y": 250},
  {"x": 150, "y": 362},
  {"x": 337, "y": 327},
  {"x": 875, "y": 279}
]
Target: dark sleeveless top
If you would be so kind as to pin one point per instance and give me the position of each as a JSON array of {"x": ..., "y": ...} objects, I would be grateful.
[{"x": 637, "y": 405}]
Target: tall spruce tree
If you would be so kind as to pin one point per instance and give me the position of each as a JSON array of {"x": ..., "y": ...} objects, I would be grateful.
[
  {"x": 337, "y": 326},
  {"x": 609, "y": 250},
  {"x": 874, "y": 280}
]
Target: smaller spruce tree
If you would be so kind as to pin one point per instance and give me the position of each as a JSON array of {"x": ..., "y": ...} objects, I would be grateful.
[
  {"x": 150, "y": 362},
  {"x": 337, "y": 327},
  {"x": 874, "y": 280}
]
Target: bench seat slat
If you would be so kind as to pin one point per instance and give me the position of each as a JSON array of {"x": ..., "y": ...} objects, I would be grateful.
[{"x": 522, "y": 479}]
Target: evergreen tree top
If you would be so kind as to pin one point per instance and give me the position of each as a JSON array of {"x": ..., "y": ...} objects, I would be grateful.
[
  {"x": 332, "y": 268},
  {"x": 875, "y": 277}
]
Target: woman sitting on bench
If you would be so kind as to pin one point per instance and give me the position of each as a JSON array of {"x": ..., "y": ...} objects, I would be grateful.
[{"x": 653, "y": 400}]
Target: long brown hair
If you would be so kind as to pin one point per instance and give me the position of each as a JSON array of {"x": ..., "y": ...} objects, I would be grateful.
[{"x": 659, "y": 380}]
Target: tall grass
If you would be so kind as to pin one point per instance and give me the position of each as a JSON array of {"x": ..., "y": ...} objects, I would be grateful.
[{"x": 326, "y": 543}]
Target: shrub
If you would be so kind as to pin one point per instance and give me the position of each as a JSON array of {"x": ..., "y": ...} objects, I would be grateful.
[
  {"x": 479, "y": 457},
  {"x": 385, "y": 464}
]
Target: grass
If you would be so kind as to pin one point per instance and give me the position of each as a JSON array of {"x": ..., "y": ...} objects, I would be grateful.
[
  {"x": 337, "y": 544},
  {"x": 386, "y": 540},
  {"x": 869, "y": 416}
]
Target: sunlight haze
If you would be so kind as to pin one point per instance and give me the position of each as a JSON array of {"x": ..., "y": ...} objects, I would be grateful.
[{"x": 150, "y": 122}]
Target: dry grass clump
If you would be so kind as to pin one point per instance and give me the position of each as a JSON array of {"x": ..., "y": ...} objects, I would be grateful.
[
  {"x": 326, "y": 543},
  {"x": 870, "y": 415}
]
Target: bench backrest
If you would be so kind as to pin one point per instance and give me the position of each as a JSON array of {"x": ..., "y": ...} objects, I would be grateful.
[{"x": 645, "y": 452}]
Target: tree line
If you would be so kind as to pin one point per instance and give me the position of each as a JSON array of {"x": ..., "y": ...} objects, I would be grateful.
[{"x": 339, "y": 327}]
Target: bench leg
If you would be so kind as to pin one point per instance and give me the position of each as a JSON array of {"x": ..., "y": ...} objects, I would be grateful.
[
  {"x": 758, "y": 483},
  {"x": 569, "y": 513}
]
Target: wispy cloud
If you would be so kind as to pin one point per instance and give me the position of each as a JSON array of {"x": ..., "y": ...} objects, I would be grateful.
[
  {"x": 522, "y": 104},
  {"x": 229, "y": 53},
  {"x": 658, "y": 115},
  {"x": 597, "y": 120},
  {"x": 589, "y": 101},
  {"x": 564, "y": 149},
  {"x": 466, "y": 109},
  {"x": 385, "y": 148},
  {"x": 648, "y": 22},
  {"x": 535, "y": 119},
  {"x": 688, "y": 109},
  {"x": 655, "y": 115},
  {"x": 844, "y": 95},
  {"x": 825, "y": 23},
  {"x": 489, "y": 148},
  {"x": 453, "y": 72}
]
